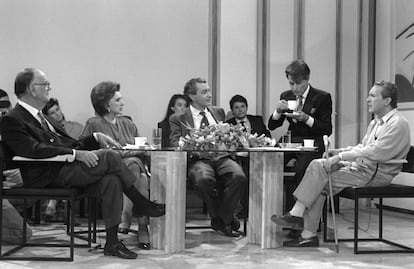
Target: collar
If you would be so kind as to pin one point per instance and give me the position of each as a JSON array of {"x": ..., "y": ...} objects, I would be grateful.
[
  {"x": 244, "y": 120},
  {"x": 306, "y": 92},
  {"x": 386, "y": 117},
  {"x": 29, "y": 108},
  {"x": 196, "y": 112}
]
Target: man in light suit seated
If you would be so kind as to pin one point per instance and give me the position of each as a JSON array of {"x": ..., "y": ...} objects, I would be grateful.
[
  {"x": 387, "y": 138},
  {"x": 206, "y": 171}
]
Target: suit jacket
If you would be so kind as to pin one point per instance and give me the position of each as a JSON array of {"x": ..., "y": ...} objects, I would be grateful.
[
  {"x": 256, "y": 123},
  {"x": 23, "y": 134},
  {"x": 181, "y": 125},
  {"x": 318, "y": 104}
]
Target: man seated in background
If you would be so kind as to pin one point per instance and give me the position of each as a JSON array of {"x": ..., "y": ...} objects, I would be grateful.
[
  {"x": 28, "y": 133},
  {"x": 387, "y": 138},
  {"x": 53, "y": 110},
  {"x": 312, "y": 119},
  {"x": 253, "y": 125},
  {"x": 73, "y": 129},
  {"x": 12, "y": 228},
  {"x": 205, "y": 170}
]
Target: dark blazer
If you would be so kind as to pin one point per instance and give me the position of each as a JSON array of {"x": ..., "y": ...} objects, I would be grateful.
[
  {"x": 256, "y": 123},
  {"x": 165, "y": 127},
  {"x": 181, "y": 125},
  {"x": 318, "y": 104},
  {"x": 23, "y": 134}
]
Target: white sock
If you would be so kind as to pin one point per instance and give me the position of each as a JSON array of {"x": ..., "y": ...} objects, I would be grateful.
[
  {"x": 307, "y": 234},
  {"x": 298, "y": 209}
]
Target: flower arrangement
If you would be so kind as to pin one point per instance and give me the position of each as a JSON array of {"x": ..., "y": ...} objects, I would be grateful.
[{"x": 223, "y": 136}]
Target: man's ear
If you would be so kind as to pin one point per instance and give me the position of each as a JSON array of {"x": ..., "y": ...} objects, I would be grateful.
[{"x": 191, "y": 96}]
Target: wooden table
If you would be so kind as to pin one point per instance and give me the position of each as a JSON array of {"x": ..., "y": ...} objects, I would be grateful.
[{"x": 168, "y": 185}]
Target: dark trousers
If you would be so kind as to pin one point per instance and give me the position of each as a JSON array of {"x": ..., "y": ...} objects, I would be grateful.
[
  {"x": 107, "y": 181},
  {"x": 206, "y": 174}
]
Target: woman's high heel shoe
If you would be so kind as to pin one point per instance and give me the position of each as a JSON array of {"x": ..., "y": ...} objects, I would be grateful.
[{"x": 143, "y": 236}]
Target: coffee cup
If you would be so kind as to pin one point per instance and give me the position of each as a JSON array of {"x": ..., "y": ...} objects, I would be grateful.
[
  {"x": 292, "y": 105},
  {"x": 140, "y": 141},
  {"x": 308, "y": 143}
]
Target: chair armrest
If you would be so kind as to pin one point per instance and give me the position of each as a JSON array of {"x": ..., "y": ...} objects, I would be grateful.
[{"x": 58, "y": 158}]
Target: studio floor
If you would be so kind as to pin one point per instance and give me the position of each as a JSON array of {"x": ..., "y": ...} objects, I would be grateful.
[{"x": 207, "y": 249}]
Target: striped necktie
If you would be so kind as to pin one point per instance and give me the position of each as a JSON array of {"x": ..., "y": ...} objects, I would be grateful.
[
  {"x": 299, "y": 100},
  {"x": 204, "y": 120}
]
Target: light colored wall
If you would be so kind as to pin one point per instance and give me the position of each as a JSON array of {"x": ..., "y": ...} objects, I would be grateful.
[
  {"x": 281, "y": 51},
  {"x": 238, "y": 52},
  {"x": 151, "y": 47}
]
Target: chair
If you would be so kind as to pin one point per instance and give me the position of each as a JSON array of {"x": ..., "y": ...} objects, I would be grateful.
[
  {"x": 24, "y": 193},
  {"x": 390, "y": 191}
]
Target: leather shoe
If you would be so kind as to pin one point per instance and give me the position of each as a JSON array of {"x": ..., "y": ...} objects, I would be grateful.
[
  {"x": 302, "y": 242},
  {"x": 152, "y": 210},
  {"x": 295, "y": 223},
  {"x": 235, "y": 224},
  {"x": 145, "y": 246},
  {"x": 217, "y": 224},
  {"x": 294, "y": 234},
  {"x": 120, "y": 250}
]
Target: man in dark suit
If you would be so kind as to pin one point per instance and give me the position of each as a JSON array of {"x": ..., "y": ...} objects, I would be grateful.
[
  {"x": 28, "y": 133},
  {"x": 205, "y": 171},
  {"x": 311, "y": 120},
  {"x": 253, "y": 124}
]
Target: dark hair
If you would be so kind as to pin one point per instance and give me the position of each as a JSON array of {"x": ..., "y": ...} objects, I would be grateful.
[
  {"x": 298, "y": 70},
  {"x": 171, "y": 103},
  {"x": 52, "y": 102},
  {"x": 101, "y": 94},
  {"x": 389, "y": 89},
  {"x": 190, "y": 86},
  {"x": 4, "y": 99},
  {"x": 237, "y": 98},
  {"x": 23, "y": 80}
]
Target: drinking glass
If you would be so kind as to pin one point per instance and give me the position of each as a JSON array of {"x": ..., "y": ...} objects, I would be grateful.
[
  {"x": 287, "y": 138},
  {"x": 156, "y": 137}
]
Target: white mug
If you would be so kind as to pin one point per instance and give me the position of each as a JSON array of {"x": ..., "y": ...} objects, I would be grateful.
[
  {"x": 140, "y": 141},
  {"x": 308, "y": 143}
]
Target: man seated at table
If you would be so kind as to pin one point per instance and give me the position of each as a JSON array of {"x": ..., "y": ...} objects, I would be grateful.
[
  {"x": 387, "y": 138},
  {"x": 205, "y": 171},
  {"x": 28, "y": 133},
  {"x": 254, "y": 125}
]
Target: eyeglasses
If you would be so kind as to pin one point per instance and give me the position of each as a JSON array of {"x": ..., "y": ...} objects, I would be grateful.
[{"x": 46, "y": 85}]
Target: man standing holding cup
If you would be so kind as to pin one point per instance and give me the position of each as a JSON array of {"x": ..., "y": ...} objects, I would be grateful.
[{"x": 310, "y": 117}]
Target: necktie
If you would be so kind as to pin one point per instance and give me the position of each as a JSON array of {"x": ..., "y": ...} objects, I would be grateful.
[
  {"x": 299, "y": 99},
  {"x": 244, "y": 126},
  {"x": 43, "y": 122},
  {"x": 204, "y": 120}
]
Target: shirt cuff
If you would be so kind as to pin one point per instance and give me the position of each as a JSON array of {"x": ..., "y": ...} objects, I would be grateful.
[
  {"x": 95, "y": 135},
  {"x": 72, "y": 158},
  {"x": 310, "y": 121},
  {"x": 276, "y": 115}
]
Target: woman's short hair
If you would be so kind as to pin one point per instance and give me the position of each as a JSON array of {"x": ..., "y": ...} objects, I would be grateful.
[
  {"x": 101, "y": 94},
  {"x": 389, "y": 89}
]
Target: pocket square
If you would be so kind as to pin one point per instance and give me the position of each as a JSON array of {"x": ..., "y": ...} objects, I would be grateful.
[{"x": 312, "y": 111}]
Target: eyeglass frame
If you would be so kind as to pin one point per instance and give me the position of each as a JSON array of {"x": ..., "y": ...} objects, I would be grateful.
[{"x": 46, "y": 85}]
